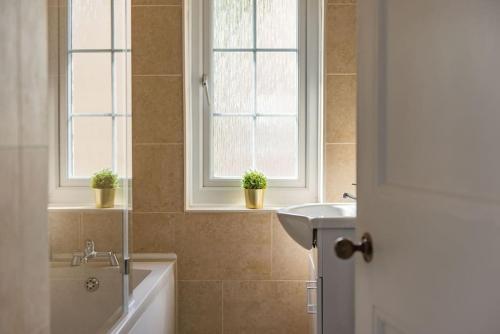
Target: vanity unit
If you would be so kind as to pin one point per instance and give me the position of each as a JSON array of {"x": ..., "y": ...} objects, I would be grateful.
[{"x": 317, "y": 227}]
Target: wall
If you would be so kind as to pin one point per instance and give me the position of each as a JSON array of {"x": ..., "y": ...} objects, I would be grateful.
[
  {"x": 340, "y": 99},
  {"x": 24, "y": 280},
  {"x": 238, "y": 272}
]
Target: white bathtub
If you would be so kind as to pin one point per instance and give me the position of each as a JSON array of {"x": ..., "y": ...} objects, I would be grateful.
[{"x": 76, "y": 310}]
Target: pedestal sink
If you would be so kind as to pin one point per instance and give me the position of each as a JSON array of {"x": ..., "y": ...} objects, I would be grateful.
[{"x": 299, "y": 221}]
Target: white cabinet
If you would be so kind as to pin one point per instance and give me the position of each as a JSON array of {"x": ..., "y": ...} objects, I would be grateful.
[{"x": 335, "y": 283}]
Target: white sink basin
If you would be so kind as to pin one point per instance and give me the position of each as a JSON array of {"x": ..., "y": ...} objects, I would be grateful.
[{"x": 300, "y": 221}]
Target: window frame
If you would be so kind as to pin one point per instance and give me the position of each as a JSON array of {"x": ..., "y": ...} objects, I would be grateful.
[
  {"x": 65, "y": 191},
  {"x": 201, "y": 193}
]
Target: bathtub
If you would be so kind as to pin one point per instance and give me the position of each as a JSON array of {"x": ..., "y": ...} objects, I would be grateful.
[{"x": 80, "y": 305}]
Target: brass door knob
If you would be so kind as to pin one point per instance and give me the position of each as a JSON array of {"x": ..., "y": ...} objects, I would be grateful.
[{"x": 345, "y": 248}]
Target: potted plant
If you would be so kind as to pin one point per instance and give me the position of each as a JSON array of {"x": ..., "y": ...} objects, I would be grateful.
[
  {"x": 104, "y": 184},
  {"x": 254, "y": 184}
]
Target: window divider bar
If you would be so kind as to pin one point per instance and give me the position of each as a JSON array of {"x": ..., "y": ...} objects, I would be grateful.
[
  {"x": 256, "y": 50},
  {"x": 252, "y": 115},
  {"x": 254, "y": 120},
  {"x": 98, "y": 50}
]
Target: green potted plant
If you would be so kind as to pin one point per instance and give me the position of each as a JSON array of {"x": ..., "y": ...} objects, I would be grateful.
[
  {"x": 104, "y": 183},
  {"x": 254, "y": 184}
]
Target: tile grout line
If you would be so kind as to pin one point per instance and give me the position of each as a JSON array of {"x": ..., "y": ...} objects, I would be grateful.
[
  {"x": 171, "y": 75},
  {"x": 332, "y": 74},
  {"x": 156, "y": 144}
]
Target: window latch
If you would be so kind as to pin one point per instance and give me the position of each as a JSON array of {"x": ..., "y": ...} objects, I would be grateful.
[{"x": 204, "y": 83}]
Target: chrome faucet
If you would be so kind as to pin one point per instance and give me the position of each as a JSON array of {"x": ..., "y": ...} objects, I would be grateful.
[
  {"x": 347, "y": 195},
  {"x": 90, "y": 253}
]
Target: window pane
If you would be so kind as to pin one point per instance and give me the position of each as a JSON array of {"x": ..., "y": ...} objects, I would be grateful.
[
  {"x": 233, "y": 27},
  {"x": 91, "y": 145},
  {"x": 276, "y": 146},
  {"x": 232, "y": 145},
  {"x": 277, "y": 23},
  {"x": 91, "y": 24},
  {"x": 122, "y": 21},
  {"x": 277, "y": 83},
  {"x": 233, "y": 82},
  {"x": 123, "y": 83},
  {"x": 91, "y": 83},
  {"x": 123, "y": 149}
]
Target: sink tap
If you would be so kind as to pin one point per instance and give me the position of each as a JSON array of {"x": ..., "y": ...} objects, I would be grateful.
[
  {"x": 89, "y": 252},
  {"x": 347, "y": 195}
]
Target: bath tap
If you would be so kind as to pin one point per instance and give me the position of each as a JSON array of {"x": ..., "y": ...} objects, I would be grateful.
[{"x": 90, "y": 253}]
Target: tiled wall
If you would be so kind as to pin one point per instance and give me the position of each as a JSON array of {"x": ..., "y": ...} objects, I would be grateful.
[
  {"x": 24, "y": 278},
  {"x": 68, "y": 230},
  {"x": 238, "y": 272},
  {"x": 340, "y": 99}
]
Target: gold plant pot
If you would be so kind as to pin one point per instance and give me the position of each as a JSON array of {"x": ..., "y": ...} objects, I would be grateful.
[
  {"x": 254, "y": 198},
  {"x": 104, "y": 198}
]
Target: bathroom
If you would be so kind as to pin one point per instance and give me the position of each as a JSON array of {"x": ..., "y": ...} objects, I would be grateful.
[{"x": 130, "y": 127}]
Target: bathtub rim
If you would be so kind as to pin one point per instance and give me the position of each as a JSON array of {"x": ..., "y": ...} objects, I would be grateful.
[{"x": 161, "y": 266}]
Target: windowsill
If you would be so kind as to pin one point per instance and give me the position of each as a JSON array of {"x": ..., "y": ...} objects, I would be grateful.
[
  {"x": 229, "y": 209},
  {"x": 82, "y": 207}
]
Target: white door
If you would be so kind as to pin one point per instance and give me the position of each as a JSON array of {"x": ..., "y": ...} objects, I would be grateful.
[{"x": 429, "y": 166}]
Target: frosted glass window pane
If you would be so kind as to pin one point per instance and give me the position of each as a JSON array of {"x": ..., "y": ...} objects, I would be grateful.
[
  {"x": 123, "y": 83},
  {"x": 276, "y": 146},
  {"x": 277, "y": 83},
  {"x": 233, "y": 82},
  {"x": 91, "y": 83},
  {"x": 122, "y": 21},
  {"x": 91, "y": 145},
  {"x": 277, "y": 23},
  {"x": 123, "y": 150},
  {"x": 91, "y": 24},
  {"x": 233, "y": 27},
  {"x": 232, "y": 145}
]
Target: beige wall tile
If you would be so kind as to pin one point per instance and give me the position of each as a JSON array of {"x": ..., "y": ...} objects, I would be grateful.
[
  {"x": 198, "y": 247},
  {"x": 265, "y": 307},
  {"x": 340, "y": 171},
  {"x": 341, "y": 39},
  {"x": 200, "y": 307},
  {"x": 105, "y": 228},
  {"x": 341, "y": 109},
  {"x": 224, "y": 246},
  {"x": 157, "y": 105},
  {"x": 158, "y": 178},
  {"x": 290, "y": 261},
  {"x": 156, "y": 2},
  {"x": 341, "y": 1},
  {"x": 154, "y": 232},
  {"x": 245, "y": 242},
  {"x": 64, "y": 232},
  {"x": 157, "y": 40}
]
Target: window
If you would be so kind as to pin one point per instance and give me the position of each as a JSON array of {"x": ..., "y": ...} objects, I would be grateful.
[
  {"x": 93, "y": 130},
  {"x": 97, "y": 90},
  {"x": 253, "y": 100}
]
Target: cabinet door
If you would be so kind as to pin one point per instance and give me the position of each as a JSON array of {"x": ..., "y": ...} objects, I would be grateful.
[{"x": 336, "y": 285}]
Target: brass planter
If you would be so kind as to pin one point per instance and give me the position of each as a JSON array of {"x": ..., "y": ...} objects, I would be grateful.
[
  {"x": 254, "y": 198},
  {"x": 104, "y": 198}
]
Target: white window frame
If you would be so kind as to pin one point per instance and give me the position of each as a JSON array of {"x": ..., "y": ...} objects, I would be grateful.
[
  {"x": 203, "y": 193},
  {"x": 63, "y": 190}
]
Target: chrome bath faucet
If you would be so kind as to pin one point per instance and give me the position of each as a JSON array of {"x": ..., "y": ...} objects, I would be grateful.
[{"x": 90, "y": 253}]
